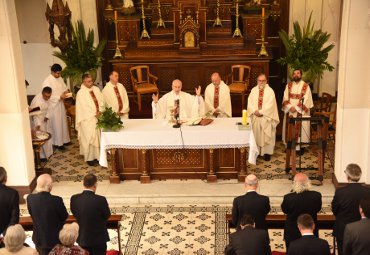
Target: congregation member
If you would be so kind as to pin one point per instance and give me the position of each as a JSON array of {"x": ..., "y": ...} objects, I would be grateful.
[
  {"x": 252, "y": 203},
  {"x": 300, "y": 201},
  {"x": 249, "y": 240},
  {"x": 89, "y": 105},
  {"x": 48, "y": 214},
  {"x": 9, "y": 201},
  {"x": 91, "y": 212},
  {"x": 356, "y": 234},
  {"x": 190, "y": 106},
  {"x": 68, "y": 237},
  {"x": 264, "y": 116},
  {"x": 346, "y": 201},
  {"x": 57, "y": 111},
  {"x": 41, "y": 120},
  {"x": 115, "y": 96},
  {"x": 308, "y": 244},
  {"x": 217, "y": 98},
  {"x": 14, "y": 242},
  {"x": 297, "y": 102}
]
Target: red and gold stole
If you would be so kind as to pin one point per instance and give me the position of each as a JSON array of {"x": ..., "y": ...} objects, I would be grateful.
[
  {"x": 120, "y": 103},
  {"x": 260, "y": 98},
  {"x": 216, "y": 99},
  {"x": 95, "y": 100}
]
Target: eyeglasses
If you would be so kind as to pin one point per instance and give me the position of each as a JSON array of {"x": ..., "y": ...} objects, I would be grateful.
[{"x": 261, "y": 80}]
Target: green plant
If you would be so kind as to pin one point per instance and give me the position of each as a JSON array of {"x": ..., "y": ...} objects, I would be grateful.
[
  {"x": 305, "y": 50},
  {"x": 109, "y": 120},
  {"x": 81, "y": 56}
]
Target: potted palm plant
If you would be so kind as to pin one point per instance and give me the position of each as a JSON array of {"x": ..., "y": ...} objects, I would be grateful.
[
  {"x": 306, "y": 50},
  {"x": 81, "y": 56}
]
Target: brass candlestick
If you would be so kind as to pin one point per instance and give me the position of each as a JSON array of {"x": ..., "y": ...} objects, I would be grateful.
[
  {"x": 160, "y": 22},
  {"x": 144, "y": 33},
  {"x": 237, "y": 32},
  {"x": 218, "y": 22},
  {"x": 263, "y": 51},
  {"x": 118, "y": 53}
]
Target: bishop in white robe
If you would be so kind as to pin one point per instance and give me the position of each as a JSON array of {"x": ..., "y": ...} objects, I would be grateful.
[
  {"x": 297, "y": 102},
  {"x": 190, "y": 106},
  {"x": 57, "y": 111},
  {"x": 41, "y": 121},
  {"x": 264, "y": 116},
  {"x": 115, "y": 96},
  {"x": 89, "y": 105},
  {"x": 217, "y": 98}
]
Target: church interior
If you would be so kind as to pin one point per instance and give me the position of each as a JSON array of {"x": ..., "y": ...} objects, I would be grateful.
[{"x": 179, "y": 201}]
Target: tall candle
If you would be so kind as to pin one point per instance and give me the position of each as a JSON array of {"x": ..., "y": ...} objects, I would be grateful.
[
  {"x": 244, "y": 118},
  {"x": 263, "y": 12},
  {"x": 115, "y": 15}
]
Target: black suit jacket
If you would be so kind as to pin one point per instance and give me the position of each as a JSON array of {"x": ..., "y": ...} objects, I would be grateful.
[
  {"x": 356, "y": 239},
  {"x": 48, "y": 215},
  {"x": 345, "y": 206},
  {"x": 9, "y": 207},
  {"x": 309, "y": 245},
  {"x": 296, "y": 204},
  {"x": 92, "y": 212},
  {"x": 254, "y": 204},
  {"x": 249, "y": 241}
]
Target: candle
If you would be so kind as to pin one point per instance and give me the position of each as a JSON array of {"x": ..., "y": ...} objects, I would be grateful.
[
  {"x": 244, "y": 118},
  {"x": 263, "y": 12},
  {"x": 115, "y": 15}
]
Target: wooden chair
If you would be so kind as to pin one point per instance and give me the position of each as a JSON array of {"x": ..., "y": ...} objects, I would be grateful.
[
  {"x": 332, "y": 122},
  {"x": 238, "y": 80},
  {"x": 324, "y": 103},
  {"x": 143, "y": 82}
]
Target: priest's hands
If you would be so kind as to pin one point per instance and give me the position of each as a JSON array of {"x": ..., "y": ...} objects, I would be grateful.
[
  {"x": 64, "y": 95},
  {"x": 155, "y": 98},
  {"x": 257, "y": 113},
  {"x": 292, "y": 109},
  {"x": 198, "y": 90},
  {"x": 46, "y": 119}
]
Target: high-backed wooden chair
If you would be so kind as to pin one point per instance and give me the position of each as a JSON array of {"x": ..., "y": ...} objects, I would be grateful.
[
  {"x": 324, "y": 103},
  {"x": 332, "y": 122},
  {"x": 143, "y": 82},
  {"x": 238, "y": 80}
]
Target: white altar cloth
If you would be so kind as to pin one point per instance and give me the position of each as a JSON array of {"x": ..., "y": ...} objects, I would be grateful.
[{"x": 158, "y": 134}]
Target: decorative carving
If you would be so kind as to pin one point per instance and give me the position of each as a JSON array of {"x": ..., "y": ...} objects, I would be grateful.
[{"x": 189, "y": 32}]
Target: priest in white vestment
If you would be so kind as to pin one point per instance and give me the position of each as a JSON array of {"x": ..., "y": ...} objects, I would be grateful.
[
  {"x": 40, "y": 121},
  {"x": 191, "y": 107},
  {"x": 296, "y": 92},
  {"x": 57, "y": 112},
  {"x": 217, "y": 98},
  {"x": 264, "y": 116},
  {"x": 89, "y": 105},
  {"x": 115, "y": 96}
]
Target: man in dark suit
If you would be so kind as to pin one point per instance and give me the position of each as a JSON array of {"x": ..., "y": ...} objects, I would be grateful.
[
  {"x": 92, "y": 212},
  {"x": 9, "y": 201},
  {"x": 251, "y": 203},
  {"x": 308, "y": 244},
  {"x": 346, "y": 202},
  {"x": 300, "y": 201},
  {"x": 249, "y": 240},
  {"x": 48, "y": 214},
  {"x": 356, "y": 234}
]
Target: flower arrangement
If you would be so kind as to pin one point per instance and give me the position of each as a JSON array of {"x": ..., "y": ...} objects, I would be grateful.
[{"x": 109, "y": 120}]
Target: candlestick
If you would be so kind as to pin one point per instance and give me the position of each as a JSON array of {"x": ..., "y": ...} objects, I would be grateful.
[
  {"x": 244, "y": 118},
  {"x": 144, "y": 33},
  {"x": 237, "y": 32},
  {"x": 115, "y": 15},
  {"x": 263, "y": 51},
  {"x": 160, "y": 22},
  {"x": 263, "y": 12},
  {"x": 218, "y": 22},
  {"x": 118, "y": 53}
]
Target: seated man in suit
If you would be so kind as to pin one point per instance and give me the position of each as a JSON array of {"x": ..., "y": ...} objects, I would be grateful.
[
  {"x": 248, "y": 241},
  {"x": 251, "y": 203},
  {"x": 356, "y": 234},
  {"x": 346, "y": 202},
  {"x": 301, "y": 200},
  {"x": 91, "y": 212},
  {"x": 308, "y": 244}
]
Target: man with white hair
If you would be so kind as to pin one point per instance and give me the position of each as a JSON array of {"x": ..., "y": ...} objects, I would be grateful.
[
  {"x": 300, "y": 201},
  {"x": 68, "y": 237},
  {"x": 217, "y": 98},
  {"x": 189, "y": 106},
  {"x": 346, "y": 202},
  {"x": 48, "y": 214},
  {"x": 251, "y": 203}
]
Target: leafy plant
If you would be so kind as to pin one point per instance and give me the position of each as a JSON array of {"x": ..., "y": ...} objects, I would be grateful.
[
  {"x": 81, "y": 56},
  {"x": 109, "y": 120},
  {"x": 305, "y": 50}
]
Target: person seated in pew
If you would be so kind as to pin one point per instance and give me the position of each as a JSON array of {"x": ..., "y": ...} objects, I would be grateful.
[
  {"x": 14, "y": 242},
  {"x": 68, "y": 237}
]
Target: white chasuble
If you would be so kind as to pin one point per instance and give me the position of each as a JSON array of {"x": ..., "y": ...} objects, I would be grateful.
[
  {"x": 115, "y": 96},
  {"x": 224, "y": 101}
]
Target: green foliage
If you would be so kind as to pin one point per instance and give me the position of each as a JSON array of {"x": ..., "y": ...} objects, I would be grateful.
[
  {"x": 305, "y": 50},
  {"x": 81, "y": 56},
  {"x": 109, "y": 120}
]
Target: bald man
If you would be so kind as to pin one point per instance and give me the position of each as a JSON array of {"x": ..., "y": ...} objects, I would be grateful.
[
  {"x": 251, "y": 203},
  {"x": 48, "y": 214},
  {"x": 217, "y": 98},
  {"x": 300, "y": 201}
]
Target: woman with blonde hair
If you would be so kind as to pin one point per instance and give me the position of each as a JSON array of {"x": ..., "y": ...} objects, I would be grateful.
[
  {"x": 68, "y": 236},
  {"x": 14, "y": 240}
]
